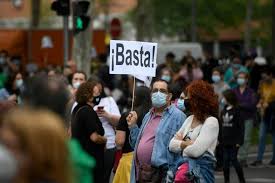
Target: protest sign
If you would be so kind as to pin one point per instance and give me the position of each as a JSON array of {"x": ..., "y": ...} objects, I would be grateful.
[{"x": 133, "y": 57}]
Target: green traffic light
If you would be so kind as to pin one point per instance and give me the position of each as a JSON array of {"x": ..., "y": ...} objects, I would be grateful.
[{"x": 79, "y": 23}]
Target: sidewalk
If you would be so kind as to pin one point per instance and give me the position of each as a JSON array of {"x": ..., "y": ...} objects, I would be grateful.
[{"x": 254, "y": 149}]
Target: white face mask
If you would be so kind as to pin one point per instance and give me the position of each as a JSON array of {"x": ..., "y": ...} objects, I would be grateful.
[
  {"x": 76, "y": 85},
  {"x": 19, "y": 83}
]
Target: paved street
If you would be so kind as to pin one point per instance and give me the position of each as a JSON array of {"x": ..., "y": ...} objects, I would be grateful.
[{"x": 264, "y": 174}]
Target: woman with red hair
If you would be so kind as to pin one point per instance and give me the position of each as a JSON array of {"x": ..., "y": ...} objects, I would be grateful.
[{"x": 197, "y": 138}]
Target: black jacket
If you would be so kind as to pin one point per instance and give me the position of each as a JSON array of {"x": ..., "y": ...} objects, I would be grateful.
[{"x": 232, "y": 126}]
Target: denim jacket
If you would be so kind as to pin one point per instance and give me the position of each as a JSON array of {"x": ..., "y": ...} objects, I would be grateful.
[
  {"x": 171, "y": 121},
  {"x": 201, "y": 169}
]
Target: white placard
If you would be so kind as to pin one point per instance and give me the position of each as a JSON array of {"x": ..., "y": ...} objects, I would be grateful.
[
  {"x": 133, "y": 57},
  {"x": 146, "y": 79}
]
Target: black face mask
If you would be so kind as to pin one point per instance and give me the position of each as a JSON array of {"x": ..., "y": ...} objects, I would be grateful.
[
  {"x": 96, "y": 100},
  {"x": 187, "y": 104}
]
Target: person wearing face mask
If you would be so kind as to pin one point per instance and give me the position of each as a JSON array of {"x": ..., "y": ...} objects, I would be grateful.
[
  {"x": 142, "y": 105},
  {"x": 7, "y": 66},
  {"x": 109, "y": 115},
  {"x": 231, "y": 74},
  {"x": 78, "y": 78},
  {"x": 150, "y": 141},
  {"x": 197, "y": 138},
  {"x": 182, "y": 103},
  {"x": 166, "y": 75},
  {"x": 247, "y": 101},
  {"x": 87, "y": 129},
  {"x": 219, "y": 85},
  {"x": 13, "y": 88}
]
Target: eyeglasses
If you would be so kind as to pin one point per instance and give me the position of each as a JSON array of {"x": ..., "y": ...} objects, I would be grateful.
[{"x": 154, "y": 90}]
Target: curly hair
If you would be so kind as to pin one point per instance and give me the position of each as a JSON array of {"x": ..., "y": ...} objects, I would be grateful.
[
  {"x": 203, "y": 100},
  {"x": 85, "y": 92}
]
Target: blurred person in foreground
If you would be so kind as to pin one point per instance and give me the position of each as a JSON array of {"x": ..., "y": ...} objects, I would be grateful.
[
  {"x": 197, "y": 138},
  {"x": 86, "y": 127},
  {"x": 142, "y": 105},
  {"x": 53, "y": 94},
  {"x": 247, "y": 102},
  {"x": 152, "y": 158},
  {"x": 266, "y": 106},
  {"x": 8, "y": 165},
  {"x": 21, "y": 133}
]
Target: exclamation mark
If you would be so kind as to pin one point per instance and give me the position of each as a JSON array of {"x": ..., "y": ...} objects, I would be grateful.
[{"x": 153, "y": 57}]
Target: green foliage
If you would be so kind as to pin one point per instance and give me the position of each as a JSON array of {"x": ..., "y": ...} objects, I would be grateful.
[
  {"x": 174, "y": 17},
  {"x": 263, "y": 15}
]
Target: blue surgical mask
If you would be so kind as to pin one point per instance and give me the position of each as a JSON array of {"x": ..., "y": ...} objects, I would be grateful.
[
  {"x": 166, "y": 78},
  {"x": 216, "y": 78},
  {"x": 180, "y": 104},
  {"x": 241, "y": 81},
  {"x": 159, "y": 99}
]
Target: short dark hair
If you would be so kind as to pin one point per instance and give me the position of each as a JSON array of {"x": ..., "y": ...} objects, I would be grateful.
[
  {"x": 170, "y": 55},
  {"x": 245, "y": 73},
  {"x": 85, "y": 92},
  {"x": 218, "y": 69},
  {"x": 161, "y": 80},
  {"x": 80, "y": 72},
  {"x": 52, "y": 94},
  {"x": 230, "y": 97}
]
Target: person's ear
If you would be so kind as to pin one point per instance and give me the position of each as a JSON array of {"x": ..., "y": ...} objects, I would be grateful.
[{"x": 169, "y": 96}]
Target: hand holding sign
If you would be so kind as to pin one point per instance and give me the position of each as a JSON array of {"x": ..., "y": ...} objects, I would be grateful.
[{"x": 132, "y": 119}]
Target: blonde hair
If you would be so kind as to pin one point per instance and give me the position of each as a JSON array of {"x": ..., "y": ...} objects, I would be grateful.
[{"x": 42, "y": 137}]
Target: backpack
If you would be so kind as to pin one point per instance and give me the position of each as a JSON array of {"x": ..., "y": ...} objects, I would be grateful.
[{"x": 181, "y": 174}]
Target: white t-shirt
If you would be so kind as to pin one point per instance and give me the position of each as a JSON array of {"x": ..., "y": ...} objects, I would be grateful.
[
  {"x": 205, "y": 137},
  {"x": 110, "y": 106}
]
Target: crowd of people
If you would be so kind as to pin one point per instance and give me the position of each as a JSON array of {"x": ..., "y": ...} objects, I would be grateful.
[{"x": 197, "y": 117}]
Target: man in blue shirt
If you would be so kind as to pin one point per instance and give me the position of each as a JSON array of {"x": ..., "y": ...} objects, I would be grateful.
[{"x": 150, "y": 142}]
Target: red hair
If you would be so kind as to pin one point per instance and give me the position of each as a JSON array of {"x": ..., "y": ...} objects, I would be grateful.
[{"x": 203, "y": 100}]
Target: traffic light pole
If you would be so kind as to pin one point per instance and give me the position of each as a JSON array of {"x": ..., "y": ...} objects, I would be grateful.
[{"x": 66, "y": 39}]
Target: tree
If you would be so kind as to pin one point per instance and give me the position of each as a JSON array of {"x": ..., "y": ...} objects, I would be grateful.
[
  {"x": 35, "y": 15},
  {"x": 82, "y": 46},
  {"x": 247, "y": 32},
  {"x": 174, "y": 18},
  {"x": 34, "y": 23}
]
